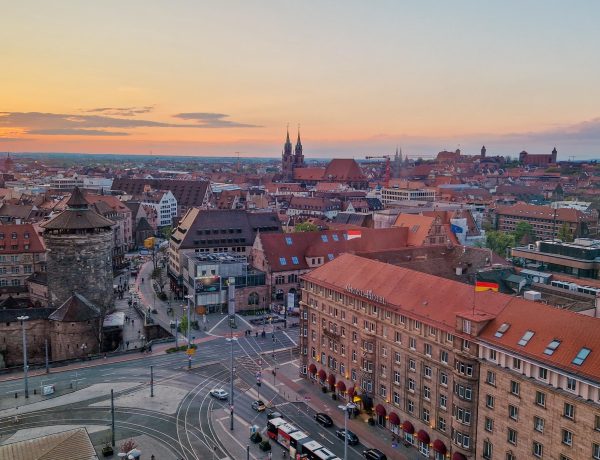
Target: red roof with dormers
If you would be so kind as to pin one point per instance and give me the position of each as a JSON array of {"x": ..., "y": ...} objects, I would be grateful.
[
  {"x": 280, "y": 249},
  {"x": 20, "y": 238}
]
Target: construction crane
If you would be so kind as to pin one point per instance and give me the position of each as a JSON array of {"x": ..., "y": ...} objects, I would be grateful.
[{"x": 387, "y": 167}]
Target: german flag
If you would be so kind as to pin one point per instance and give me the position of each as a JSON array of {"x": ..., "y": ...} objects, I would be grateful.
[{"x": 486, "y": 286}]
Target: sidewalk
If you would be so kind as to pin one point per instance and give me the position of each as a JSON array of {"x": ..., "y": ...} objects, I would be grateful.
[{"x": 296, "y": 388}]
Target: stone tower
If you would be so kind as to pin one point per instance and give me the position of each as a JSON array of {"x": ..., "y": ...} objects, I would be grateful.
[
  {"x": 80, "y": 244},
  {"x": 298, "y": 155},
  {"x": 483, "y": 151},
  {"x": 554, "y": 154}
]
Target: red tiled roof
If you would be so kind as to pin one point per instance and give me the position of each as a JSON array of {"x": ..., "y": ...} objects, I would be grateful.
[
  {"x": 312, "y": 173},
  {"x": 418, "y": 227},
  {"x": 19, "y": 231},
  {"x": 408, "y": 290},
  {"x": 573, "y": 330},
  {"x": 312, "y": 244},
  {"x": 542, "y": 212},
  {"x": 343, "y": 169}
]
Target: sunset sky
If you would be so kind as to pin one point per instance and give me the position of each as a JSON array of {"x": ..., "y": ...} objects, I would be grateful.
[{"x": 360, "y": 77}]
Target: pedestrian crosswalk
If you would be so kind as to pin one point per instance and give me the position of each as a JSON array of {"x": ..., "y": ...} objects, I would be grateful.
[{"x": 248, "y": 363}]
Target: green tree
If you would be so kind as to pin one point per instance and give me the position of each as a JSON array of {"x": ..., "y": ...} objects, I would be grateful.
[
  {"x": 499, "y": 241},
  {"x": 305, "y": 227},
  {"x": 564, "y": 233},
  {"x": 523, "y": 228},
  {"x": 166, "y": 232}
]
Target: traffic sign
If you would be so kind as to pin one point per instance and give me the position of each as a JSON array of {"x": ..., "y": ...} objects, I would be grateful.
[{"x": 190, "y": 351}]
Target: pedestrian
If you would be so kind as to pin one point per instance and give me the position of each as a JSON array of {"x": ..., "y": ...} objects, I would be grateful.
[
  {"x": 132, "y": 321},
  {"x": 127, "y": 343}
]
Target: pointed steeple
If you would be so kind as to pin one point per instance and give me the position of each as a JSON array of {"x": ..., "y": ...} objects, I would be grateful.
[
  {"x": 77, "y": 200},
  {"x": 298, "y": 157},
  {"x": 287, "y": 148}
]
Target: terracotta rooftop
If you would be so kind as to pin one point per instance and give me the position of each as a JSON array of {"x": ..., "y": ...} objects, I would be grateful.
[
  {"x": 19, "y": 238},
  {"x": 542, "y": 212},
  {"x": 289, "y": 251},
  {"x": 187, "y": 192},
  {"x": 418, "y": 226},
  {"x": 71, "y": 444}
]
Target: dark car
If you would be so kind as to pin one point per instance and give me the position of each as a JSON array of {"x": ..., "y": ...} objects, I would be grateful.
[
  {"x": 374, "y": 454},
  {"x": 274, "y": 414},
  {"x": 352, "y": 438},
  {"x": 323, "y": 419}
]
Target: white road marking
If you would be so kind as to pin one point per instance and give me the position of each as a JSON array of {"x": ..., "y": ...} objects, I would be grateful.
[{"x": 291, "y": 340}]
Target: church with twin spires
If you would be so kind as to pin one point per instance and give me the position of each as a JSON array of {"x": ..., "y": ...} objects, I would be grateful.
[{"x": 290, "y": 161}]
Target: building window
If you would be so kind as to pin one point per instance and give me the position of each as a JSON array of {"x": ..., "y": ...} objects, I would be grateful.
[
  {"x": 441, "y": 424},
  {"x": 489, "y": 424},
  {"x": 443, "y": 400},
  {"x": 412, "y": 343},
  {"x": 540, "y": 398},
  {"x": 512, "y": 436},
  {"x": 427, "y": 392},
  {"x": 510, "y": 456},
  {"x": 444, "y": 356},
  {"x": 569, "y": 411},
  {"x": 397, "y": 357},
  {"x": 410, "y": 406},
  {"x": 426, "y": 415},
  {"x": 489, "y": 401},
  {"x": 412, "y": 365},
  {"x": 443, "y": 379},
  {"x": 513, "y": 412},
  {"x": 491, "y": 378},
  {"x": 596, "y": 451},
  {"x": 538, "y": 424},
  {"x": 567, "y": 437},
  {"x": 396, "y": 398},
  {"x": 487, "y": 449},
  {"x": 515, "y": 387},
  {"x": 538, "y": 449},
  {"x": 492, "y": 355},
  {"x": 571, "y": 384},
  {"x": 411, "y": 385},
  {"x": 427, "y": 371},
  {"x": 428, "y": 349},
  {"x": 398, "y": 337},
  {"x": 542, "y": 373}
]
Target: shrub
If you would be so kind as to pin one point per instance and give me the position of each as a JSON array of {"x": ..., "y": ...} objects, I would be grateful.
[{"x": 256, "y": 437}]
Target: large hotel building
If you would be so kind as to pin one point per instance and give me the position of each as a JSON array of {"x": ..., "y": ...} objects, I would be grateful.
[{"x": 456, "y": 373}]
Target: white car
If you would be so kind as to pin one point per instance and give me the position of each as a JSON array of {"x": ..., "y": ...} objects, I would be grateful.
[{"x": 219, "y": 393}]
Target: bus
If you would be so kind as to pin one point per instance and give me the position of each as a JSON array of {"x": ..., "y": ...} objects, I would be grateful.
[{"x": 272, "y": 426}]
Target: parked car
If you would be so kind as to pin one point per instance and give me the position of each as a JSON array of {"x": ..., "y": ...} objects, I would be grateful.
[
  {"x": 374, "y": 454},
  {"x": 323, "y": 419},
  {"x": 352, "y": 438},
  {"x": 258, "y": 405},
  {"x": 219, "y": 393},
  {"x": 274, "y": 414}
]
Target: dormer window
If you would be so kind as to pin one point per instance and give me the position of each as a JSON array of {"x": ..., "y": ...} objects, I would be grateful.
[
  {"x": 526, "y": 338},
  {"x": 551, "y": 348},
  {"x": 581, "y": 356},
  {"x": 501, "y": 330}
]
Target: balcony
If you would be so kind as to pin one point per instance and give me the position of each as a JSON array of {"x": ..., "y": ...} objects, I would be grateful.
[{"x": 331, "y": 335}]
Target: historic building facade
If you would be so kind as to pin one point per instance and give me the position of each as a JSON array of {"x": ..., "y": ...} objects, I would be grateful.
[
  {"x": 456, "y": 373},
  {"x": 290, "y": 161}
]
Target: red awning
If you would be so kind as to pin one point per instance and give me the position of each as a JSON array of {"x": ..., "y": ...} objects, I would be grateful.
[
  {"x": 439, "y": 446},
  {"x": 341, "y": 386},
  {"x": 458, "y": 456},
  {"x": 350, "y": 392},
  {"x": 394, "y": 419},
  {"x": 312, "y": 369},
  {"x": 331, "y": 379},
  {"x": 423, "y": 436},
  {"x": 380, "y": 410},
  {"x": 322, "y": 374},
  {"x": 408, "y": 427}
]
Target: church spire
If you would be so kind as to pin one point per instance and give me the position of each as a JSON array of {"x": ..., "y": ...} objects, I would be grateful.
[{"x": 287, "y": 148}]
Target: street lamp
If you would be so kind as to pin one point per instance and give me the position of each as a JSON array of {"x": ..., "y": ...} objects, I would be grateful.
[
  {"x": 25, "y": 366},
  {"x": 231, "y": 341},
  {"x": 347, "y": 408},
  {"x": 189, "y": 297}
]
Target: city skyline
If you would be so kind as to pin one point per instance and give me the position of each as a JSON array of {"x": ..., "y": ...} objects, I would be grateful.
[{"x": 193, "y": 79}]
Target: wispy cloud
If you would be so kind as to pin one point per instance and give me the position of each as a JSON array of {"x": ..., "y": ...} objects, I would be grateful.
[
  {"x": 121, "y": 111},
  {"x": 76, "y": 132},
  {"x": 213, "y": 120},
  {"x": 44, "y": 123}
]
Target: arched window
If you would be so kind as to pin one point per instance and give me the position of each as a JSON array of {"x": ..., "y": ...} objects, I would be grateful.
[{"x": 253, "y": 298}]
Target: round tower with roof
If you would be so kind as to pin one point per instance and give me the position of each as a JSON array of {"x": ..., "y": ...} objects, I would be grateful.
[{"x": 80, "y": 245}]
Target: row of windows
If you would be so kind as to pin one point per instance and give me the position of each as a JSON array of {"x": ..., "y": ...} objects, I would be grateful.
[{"x": 537, "y": 448}]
